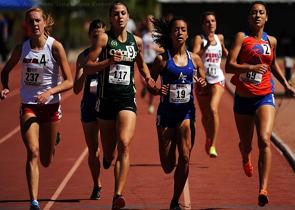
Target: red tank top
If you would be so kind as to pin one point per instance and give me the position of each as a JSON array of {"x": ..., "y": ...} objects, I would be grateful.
[{"x": 255, "y": 52}]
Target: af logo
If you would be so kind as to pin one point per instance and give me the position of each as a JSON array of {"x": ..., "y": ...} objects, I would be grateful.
[
  {"x": 114, "y": 43},
  {"x": 132, "y": 43},
  {"x": 182, "y": 77}
]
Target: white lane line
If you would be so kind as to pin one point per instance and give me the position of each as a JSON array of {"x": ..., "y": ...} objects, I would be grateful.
[
  {"x": 66, "y": 180},
  {"x": 186, "y": 196},
  {"x": 16, "y": 129},
  {"x": 11, "y": 133}
]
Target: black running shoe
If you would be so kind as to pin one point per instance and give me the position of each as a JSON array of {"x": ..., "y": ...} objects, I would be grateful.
[
  {"x": 106, "y": 164},
  {"x": 263, "y": 198},
  {"x": 174, "y": 205},
  {"x": 95, "y": 195}
]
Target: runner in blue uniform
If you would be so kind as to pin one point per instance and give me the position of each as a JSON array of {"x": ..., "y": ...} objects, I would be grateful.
[
  {"x": 118, "y": 50},
  {"x": 88, "y": 102},
  {"x": 178, "y": 69}
]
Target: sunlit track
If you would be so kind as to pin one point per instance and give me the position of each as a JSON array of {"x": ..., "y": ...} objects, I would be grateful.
[
  {"x": 213, "y": 183},
  {"x": 66, "y": 180},
  {"x": 10, "y": 134}
]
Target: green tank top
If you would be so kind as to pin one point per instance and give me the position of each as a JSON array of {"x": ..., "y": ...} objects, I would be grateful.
[{"x": 117, "y": 81}]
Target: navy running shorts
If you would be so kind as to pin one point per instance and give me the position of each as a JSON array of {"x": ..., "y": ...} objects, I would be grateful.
[{"x": 249, "y": 105}]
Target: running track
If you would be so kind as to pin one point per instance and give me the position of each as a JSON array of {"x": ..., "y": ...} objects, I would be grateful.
[{"x": 213, "y": 183}]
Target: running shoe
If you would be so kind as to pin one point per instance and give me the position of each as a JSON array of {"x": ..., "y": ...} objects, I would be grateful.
[
  {"x": 263, "y": 198},
  {"x": 174, "y": 205},
  {"x": 106, "y": 164},
  {"x": 35, "y": 205},
  {"x": 248, "y": 168},
  {"x": 95, "y": 195},
  {"x": 212, "y": 152},
  {"x": 118, "y": 202}
]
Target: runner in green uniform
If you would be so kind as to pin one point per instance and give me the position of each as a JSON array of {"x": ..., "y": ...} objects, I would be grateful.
[{"x": 118, "y": 50}]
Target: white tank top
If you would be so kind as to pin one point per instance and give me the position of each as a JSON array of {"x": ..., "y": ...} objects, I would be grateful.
[
  {"x": 212, "y": 59},
  {"x": 40, "y": 72}
]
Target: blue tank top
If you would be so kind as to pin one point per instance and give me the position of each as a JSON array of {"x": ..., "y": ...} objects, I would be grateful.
[{"x": 180, "y": 79}]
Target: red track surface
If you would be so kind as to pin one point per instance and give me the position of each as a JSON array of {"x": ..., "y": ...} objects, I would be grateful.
[{"x": 213, "y": 183}]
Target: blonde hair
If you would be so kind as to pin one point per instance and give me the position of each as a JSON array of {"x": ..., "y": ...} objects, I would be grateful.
[{"x": 47, "y": 18}]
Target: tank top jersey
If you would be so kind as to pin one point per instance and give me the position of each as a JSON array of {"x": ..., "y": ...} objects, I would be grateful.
[
  {"x": 117, "y": 81},
  {"x": 180, "y": 79},
  {"x": 90, "y": 85},
  {"x": 255, "y": 52},
  {"x": 212, "y": 60},
  {"x": 40, "y": 72}
]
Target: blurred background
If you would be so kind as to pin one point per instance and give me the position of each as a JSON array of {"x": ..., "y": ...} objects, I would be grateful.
[{"x": 72, "y": 18}]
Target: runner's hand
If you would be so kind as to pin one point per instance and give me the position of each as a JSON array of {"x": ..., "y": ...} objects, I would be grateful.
[{"x": 150, "y": 82}]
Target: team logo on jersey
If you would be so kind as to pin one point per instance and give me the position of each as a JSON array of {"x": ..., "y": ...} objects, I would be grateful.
[
  {"x": 258, "y": 49},
  {"x": 182, "y": 77},
  {"x": 114, "y": 43},
  {"x": 128, "y": 55},
  {"x": 40, "y": 61},
  {"x": 213, "y": 57}
]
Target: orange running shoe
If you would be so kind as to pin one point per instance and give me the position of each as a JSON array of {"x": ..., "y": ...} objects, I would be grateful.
[
  {"x": 263, "y": 198},
  {"x": 248, "y": 168}
]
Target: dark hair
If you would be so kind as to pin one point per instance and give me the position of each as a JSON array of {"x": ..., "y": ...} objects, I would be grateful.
[
  {"x": 97, "y": 23},
  {"x": 116, "y": 3},
  {"x": 162, "y": 31},
  {"x": 259, "y": 2},
  {"x": 205, "y": 14}
]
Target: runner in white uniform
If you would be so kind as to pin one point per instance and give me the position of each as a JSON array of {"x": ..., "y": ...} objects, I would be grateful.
[
  {"x": 210, "y": 47},
  {"x": 40, "y": 56}
]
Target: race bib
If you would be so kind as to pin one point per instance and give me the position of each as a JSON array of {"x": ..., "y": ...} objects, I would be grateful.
[
  {"x": 212, "y": 70},
  {"x": 251, "y": 77},
  {"x": 119, "y": 74},
  {"x": 93, "y": 86},
  {"x": 179, "y": 93},
  {"x": 33, "y": 76}
]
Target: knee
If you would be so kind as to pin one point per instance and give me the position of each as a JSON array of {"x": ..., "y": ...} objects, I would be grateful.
[
  {"x": 214, "y": 111},
  {"x": 167, "y": 168},
  {"x": 93, "y": 153},
  {"x": 264, "y": 140},
  {"x": 183, "y": 159},
  {"x": 33, "y": 153},
  {"x": 124, "y": 146}
]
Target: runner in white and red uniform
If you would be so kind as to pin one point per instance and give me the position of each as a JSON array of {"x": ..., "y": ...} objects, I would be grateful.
[
  {"x": 210, "y": 47},
  {"x": 41, "y": 57}
]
